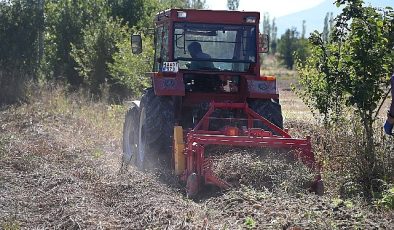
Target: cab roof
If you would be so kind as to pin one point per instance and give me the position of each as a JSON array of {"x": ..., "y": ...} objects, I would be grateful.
[{"x": 209, "y": 16}]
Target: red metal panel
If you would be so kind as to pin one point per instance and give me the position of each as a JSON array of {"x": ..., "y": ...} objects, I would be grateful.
[
  {"x": 168, "y": 86},
  {"x": 217, "y": 16},
  {"x": 262, "y": 89},
  {"x": 192, "y": 99}
]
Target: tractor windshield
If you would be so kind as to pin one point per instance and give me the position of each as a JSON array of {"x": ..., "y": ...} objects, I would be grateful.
[{"x": 200, "y": 46}]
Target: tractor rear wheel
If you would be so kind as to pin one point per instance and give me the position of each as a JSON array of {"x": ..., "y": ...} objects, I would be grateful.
[
  {"x": 269, "y": 109},
  {"x": 156, "y": 124}
]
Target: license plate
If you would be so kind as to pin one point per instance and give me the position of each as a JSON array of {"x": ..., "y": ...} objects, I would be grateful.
[{"x": 170, "y": 67}]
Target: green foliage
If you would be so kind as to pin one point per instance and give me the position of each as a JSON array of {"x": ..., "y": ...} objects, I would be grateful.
[
  {"x": 266, "y": 24},
  {"x": 128, "y": 69},
  {"x": 274, "y": 39},
  {"x": 328, "y": 20},
  {"x": 353, "y": 66},
  {"x": 351, "y": 70},
  {"x": 96, "y": 51},
  {"x": 11, "y": 224},
  {"x": 182, "y": 4},
  {"x": 250, "y": 223},
  {"x": 319, "y": 76},
  {"x": 195, "y": 4},
  {"x": 82, "y": 37},
  {"x": 232, "y": 4},
  {"x": 387, "y": 200},
  {"x": 129, "y": 11},
  {"x": 65, "y": 22},
  {"x": 272, "y": 30},
  {"x": 289, "y": 44},
  {"x": 80, "y": 40},
  {"x": 20, "y": 22}
]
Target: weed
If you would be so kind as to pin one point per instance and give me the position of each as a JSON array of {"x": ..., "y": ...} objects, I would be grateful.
[
  {"x": 249, "y": 222},
  {"x": 387, "y": 200},
  {"x": 11, "y": 224},
  {"x": 98, "y": 153}
]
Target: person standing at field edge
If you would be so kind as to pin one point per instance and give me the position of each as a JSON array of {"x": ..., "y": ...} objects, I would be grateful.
[{"x": 388, "y": 126}]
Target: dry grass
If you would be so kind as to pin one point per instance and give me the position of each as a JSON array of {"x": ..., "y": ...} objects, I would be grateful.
[
  {"x": 59, "y": 160},
  {"x": 274, "y": 171}
]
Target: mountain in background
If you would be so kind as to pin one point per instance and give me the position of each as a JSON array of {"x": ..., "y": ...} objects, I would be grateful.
[{"x": 314, "y": 17}]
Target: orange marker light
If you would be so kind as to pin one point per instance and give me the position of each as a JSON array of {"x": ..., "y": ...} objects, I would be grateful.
[
  {"x": 268, "y": 78},
  {"x": 232, "y": 131}
]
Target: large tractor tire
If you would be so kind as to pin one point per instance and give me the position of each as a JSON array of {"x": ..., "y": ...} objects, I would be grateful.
[
  {"x": 130, "y": 136},
  {"x": 269, "y": 109},
  {"x": 156, "y": 125}
]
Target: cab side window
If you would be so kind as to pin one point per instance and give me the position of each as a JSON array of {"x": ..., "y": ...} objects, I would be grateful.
[{"x": 161, "y": 46}]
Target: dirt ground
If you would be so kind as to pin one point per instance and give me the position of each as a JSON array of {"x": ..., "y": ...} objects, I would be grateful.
[{"x": 59, "y": 170}]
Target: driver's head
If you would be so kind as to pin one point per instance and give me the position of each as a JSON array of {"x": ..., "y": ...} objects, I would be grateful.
[{"x": 194, "y": 48}]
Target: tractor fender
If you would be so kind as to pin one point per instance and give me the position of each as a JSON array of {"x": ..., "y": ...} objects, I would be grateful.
[{"x": 131, "y": 104}]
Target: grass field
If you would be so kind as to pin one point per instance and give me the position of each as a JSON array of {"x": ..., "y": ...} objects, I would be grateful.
[{"x": 60, "y": 160}]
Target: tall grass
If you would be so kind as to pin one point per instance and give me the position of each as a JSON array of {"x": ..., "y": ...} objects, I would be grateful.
[{"x": 92, "y": 120}]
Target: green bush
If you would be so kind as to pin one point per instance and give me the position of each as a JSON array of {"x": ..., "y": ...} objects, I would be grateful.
[
  {"x": 64, "y": 24},
  {"x": 20, "y": 22},
  {"x": 95, "y": 52},
  {"x": 387, "y": 200},
  {"x": 130, "y": 70}
]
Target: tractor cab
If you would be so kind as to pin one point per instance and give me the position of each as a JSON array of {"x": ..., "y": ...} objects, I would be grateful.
[{"x": 214, "y": 52}]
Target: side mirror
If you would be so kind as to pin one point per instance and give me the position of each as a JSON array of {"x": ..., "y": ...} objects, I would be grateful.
[
  {"x": 264, "y": 43},
  {"x": 136, "y": 44}
]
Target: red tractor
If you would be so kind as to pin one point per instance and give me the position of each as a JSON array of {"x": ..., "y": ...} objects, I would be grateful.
[{"x": 207, "y": 90}]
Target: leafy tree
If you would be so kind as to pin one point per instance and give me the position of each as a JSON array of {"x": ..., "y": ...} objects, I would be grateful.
[
  {"x": 303, "y": 29},
  {"x": 130, "y": 11},
  {"x": 328, "y": 24},
  {"x": 187, "y": 4},
  {"x": 168, "y": 4},
  {"x": 274, "y": 39},
  {"x": 287, "y": 46},
  {"x": 96, "y": 51},
  {"x": 291, "y": 45},
  {"x": 302, "y": 50},
  {"x": 20, "y": 22},
  {"x": 196, "y": 4},
  {"x": 129, "y": 70},
  {"x": 232, "y": 4},
  {"x": 65, "y": 22},
  {"x": 351, "y": 69},
  {"x": 266, "y": 24}
]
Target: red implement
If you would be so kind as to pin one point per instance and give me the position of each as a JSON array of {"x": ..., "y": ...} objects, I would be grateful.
[{"x": 198, "y": 170}]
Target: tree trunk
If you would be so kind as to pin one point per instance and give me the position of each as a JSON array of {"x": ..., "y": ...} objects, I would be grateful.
[{"x": 369, "y": 170}]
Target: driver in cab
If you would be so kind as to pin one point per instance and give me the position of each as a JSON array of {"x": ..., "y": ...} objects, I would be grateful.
[{"x": 196, "y": 53}]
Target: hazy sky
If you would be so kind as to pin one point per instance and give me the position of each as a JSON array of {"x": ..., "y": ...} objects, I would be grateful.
[{"x": 275, "y": 8}]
